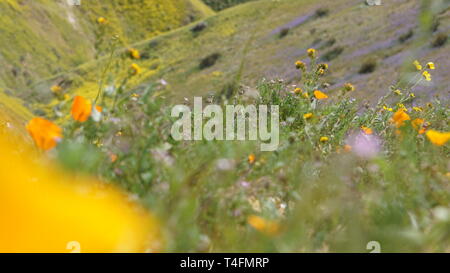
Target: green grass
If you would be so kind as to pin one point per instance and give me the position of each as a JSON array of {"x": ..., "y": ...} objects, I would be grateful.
[{"x": 323, "y": 198}]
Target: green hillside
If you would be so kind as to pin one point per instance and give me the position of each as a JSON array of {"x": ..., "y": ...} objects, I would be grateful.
[{"x": 263, "y": 39}]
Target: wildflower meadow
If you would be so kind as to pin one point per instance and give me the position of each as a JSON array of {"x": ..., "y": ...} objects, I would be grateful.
[{"x": 295, "y": 145}]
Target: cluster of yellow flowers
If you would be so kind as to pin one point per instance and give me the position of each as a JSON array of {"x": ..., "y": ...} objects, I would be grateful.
[{"x": 426, "y": 74}]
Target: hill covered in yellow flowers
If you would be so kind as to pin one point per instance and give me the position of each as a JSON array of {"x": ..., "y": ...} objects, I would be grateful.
[{"x": 41, "y": 38}]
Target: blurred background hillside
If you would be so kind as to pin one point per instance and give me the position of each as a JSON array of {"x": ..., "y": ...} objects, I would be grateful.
[{"x": 48, "y": 42}]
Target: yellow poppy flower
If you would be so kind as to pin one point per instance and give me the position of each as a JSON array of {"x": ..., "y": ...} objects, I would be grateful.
[
  {"x": 45, "y": 133},
  {"x": 438, "y": 138},
  {"x": 320, "y": 95},
  {"x": 400, "y": 117},
  {"x": 81, "y": 109},
  {"x": 45, "y": 210},
  {"x": 264, "y": 226}
]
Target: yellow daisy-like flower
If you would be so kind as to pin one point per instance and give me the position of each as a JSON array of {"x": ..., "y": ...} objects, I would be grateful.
[
  {"x": 323, "y": 66},
  {"x": 101, "y": 20},
  {"x": 349, "y": 87},
  {"x": 298, "y": 91},
  {"x": 308, "y": 115},
  {"x": 134, "y": 53},
  {"x": 400, "y": 117},
  {"x": 300, "y": 65},
  {"x": 320, "y": 95},
  {"x": 56, "y": 89},
  {"x": 431, "y": 66},
  {"x": 398, "y": 92},
  {"x": 412, "y": 95},
  {"x": 388, "y": 108},
  {"x": 135, "y": 69},
  {"x": 417, "y": 65},
  {"x": 321, "y": 72},
  {"x": 438, "y": 138},
  {"x": 324, "y": 139},
  {"x": 264, "y": 226},
  {"x": 312, "y": 53},
  {"x": 426, "y": 75}
]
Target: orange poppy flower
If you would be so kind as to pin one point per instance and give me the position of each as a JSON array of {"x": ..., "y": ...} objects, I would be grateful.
[
  {"x": 438, "y": 138},
  {"x": 262, "y": 225},
  {"x": 45, "y": 133},
  {"x": 400, "y": 117},
  {"x": 367, "y": 130},
  {"x": 251, "y": 158},
  {"x": 320, "y": 95},
  {"x": 81, "y": 109}
]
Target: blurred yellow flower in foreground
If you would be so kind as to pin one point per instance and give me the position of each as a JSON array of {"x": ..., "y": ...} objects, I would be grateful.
[
  {"x": 263, "y": 225},
  {"x": 45, "y": 210},
  {"x": 324, "y": 139},
  {"x": 45, "y": 133},
  {"x": 438, "y": 138},
  {"x": 81, "y": 109},
  {"x": 400, "y": 117},
  {"x": 320, "y": 95}
]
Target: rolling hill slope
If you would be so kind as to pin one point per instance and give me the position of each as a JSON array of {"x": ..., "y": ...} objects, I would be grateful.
[
  {"x": 41, "y": 38},
  {"x": 368, "y": 46}
]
